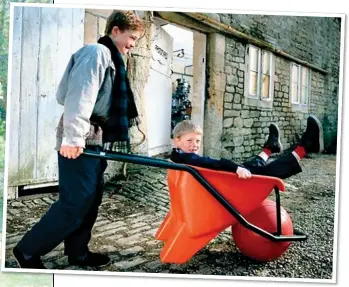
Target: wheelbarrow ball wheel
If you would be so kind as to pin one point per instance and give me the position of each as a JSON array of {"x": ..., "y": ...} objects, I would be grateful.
[{"x": 256, "y": 246}]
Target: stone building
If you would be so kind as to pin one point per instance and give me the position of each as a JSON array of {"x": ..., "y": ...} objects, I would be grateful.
[
  {"x": 250, "y": 70},
  {"x": 245, "y": 71}
]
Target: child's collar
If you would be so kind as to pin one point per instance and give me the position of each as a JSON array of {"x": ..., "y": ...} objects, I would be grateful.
[{"x": 178, "y": 150}]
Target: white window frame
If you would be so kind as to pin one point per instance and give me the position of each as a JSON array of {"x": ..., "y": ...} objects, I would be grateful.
[
  {"x": 299, "y": 102},
  {"x": 257, "y": 100}
]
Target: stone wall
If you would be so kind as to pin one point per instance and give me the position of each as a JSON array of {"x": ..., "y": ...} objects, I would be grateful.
[
  {"x": 95, "y": 21},
  {"x": 312, "y": 39}
]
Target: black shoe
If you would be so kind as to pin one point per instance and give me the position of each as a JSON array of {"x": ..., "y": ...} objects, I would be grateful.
[
  {"x": 92, "y": 260},
  {"x": 312, "y": 139},
  {"x": 273, "y": 142},
  {"x": 33, "y": 263}
]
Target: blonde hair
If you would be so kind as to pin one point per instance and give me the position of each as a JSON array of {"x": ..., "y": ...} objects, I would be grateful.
[
  {"x": 185, "y": 127},
  {"x": 124, "y": 20}
]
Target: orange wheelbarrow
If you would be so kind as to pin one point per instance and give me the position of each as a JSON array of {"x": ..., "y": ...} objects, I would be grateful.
[{"x": 205, "y": 202}]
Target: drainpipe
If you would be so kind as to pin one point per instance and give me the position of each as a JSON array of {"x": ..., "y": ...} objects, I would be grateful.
[
  {"x": 185, "y": 68},
  {"x": 263, "y": 44}
]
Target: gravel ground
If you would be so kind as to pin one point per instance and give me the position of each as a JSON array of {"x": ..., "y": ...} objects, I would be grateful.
[{"x": 309, "y": 199}]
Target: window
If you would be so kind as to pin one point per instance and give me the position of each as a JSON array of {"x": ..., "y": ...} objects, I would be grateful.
[
  {"x": 260, "y": 74},
  {"x": 300, "y": 82}
]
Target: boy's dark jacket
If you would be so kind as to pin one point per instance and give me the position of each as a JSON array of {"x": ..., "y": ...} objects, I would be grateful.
[{"x": 179, "y": 156}]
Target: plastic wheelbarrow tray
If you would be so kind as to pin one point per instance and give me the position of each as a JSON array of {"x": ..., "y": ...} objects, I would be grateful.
[{"x": 205, "y": 202}]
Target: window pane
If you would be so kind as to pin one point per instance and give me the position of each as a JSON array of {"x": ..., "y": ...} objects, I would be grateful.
[
  {"x": 305, "y": 77},
  {"x": 304, "y": 99},
  {"x": 266, "y": 63},
  {"x": 265, "y": 87},
  {"x": 253, "y": 83},
  {"x": 295, "y": 93},
  {"x": 253, "y": 59},
  {"x": 295, "y": 83},
  {"x": 294, "y": 73},
  {"x": 305, "y": 86}
]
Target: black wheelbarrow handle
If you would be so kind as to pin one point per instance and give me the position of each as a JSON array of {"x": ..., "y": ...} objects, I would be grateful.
[{"x": 162, "y": 163}]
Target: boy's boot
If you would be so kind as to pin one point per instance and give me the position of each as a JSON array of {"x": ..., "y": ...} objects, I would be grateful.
[{"x": 273, "y": 142}]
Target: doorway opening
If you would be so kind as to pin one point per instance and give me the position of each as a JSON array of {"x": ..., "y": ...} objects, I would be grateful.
[
  {"x": 176, "y": 87},
  {"x": 181, "y": 73}
]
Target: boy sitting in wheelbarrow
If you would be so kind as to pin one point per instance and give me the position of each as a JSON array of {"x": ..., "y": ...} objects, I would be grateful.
[{"x": 187, "y": 139}]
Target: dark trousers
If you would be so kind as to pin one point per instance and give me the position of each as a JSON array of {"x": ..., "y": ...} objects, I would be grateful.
[
  {"x": 72, "y": 216},
  {"x": 282, "y": 167}
]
